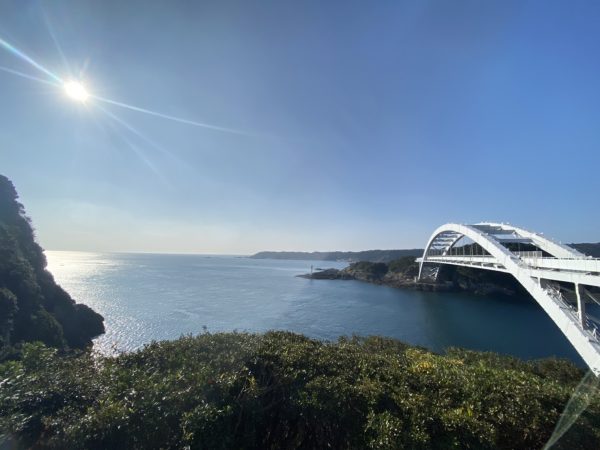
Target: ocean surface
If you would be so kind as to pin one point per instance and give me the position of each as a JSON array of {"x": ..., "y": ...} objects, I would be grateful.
[{"x": 146, "y": 297}]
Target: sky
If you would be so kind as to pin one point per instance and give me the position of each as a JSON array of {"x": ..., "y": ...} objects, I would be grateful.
[{"x": 347, "y": 125}]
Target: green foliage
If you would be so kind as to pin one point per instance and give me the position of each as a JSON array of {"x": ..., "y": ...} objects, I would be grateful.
[
  {"x": 367, "y": 271},
  {"x": 32, "y": 306},
  {"x": 283, "y": 390},
  {"x": 45, "y": 328},
  {"x": 407, "y": 266},
  {"x": 396, "y": 272},
  {"x": 588, "y": 248},
  {"x": 8, "y": 309},
  {"x": 481, "y": 281}
]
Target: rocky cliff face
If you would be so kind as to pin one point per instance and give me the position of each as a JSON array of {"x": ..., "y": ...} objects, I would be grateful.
[{"x": 32, "y": 306}]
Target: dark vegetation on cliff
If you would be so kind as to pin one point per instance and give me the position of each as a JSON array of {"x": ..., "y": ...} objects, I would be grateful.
[
  {"x": 283, "y": 390},
  {"x": 385, "y": 256},
  {"x": 590, "y": 249},
  {"x": 32, "y": 306},
  {"x": 402, "y": 272},
  {"x": 480, "y": 281}
]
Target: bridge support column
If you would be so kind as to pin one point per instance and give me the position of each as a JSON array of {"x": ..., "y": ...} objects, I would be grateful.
[{"x": 580, "y": 291}]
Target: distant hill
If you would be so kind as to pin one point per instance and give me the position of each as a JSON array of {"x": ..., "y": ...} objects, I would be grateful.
[
  {"x": 384, "y": 256},
  {"x": 367, "y": 255},
  {"x": 589, "y": 249}
]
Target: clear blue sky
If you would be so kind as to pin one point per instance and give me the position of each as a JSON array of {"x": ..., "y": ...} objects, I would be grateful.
[{"x": 368, "y": 124}]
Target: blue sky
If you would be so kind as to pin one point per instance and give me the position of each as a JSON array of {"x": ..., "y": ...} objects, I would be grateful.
[{"x": 364, "y": 124}]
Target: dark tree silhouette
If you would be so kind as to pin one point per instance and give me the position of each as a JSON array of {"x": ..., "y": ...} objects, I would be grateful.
[{"x": 32, "y": 306}]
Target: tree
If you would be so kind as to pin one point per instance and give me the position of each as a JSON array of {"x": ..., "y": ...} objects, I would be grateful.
[{"x": 32, "y": 306}]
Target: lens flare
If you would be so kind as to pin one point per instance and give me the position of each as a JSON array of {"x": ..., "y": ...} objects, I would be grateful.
[
  {"x": 76, "y": 91},
  {"x": 169, "y": 117},
  {"x": 26, "y": 76},
  {"x": 23, "y": 56}
]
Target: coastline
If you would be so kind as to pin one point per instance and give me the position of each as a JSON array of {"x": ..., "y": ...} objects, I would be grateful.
[{"x": 405, "y": 278}]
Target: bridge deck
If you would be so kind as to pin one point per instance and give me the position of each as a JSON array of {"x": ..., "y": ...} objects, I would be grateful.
[{"x": 572, "y": 270}]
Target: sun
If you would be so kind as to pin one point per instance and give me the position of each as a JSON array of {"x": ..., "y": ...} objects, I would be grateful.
[{"x": 76, "y": 91}]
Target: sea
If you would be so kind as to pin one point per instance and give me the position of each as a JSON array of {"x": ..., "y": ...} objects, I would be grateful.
[{"x": 146, "y": 297}]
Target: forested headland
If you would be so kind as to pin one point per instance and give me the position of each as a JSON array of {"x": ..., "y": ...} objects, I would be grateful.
[
  {"x": 32, "y": 306},
  {"x": 402, "y": 273}
]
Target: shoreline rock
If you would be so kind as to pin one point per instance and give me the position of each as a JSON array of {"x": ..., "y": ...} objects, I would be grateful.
[
  {"x": 382, "y": 274},
  {"x": 391, "y": 281}
]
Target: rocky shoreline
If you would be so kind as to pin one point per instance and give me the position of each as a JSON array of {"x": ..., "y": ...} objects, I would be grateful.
[
  {"x": 402, "y": 274},
  {"x": 398, "y": 281}
]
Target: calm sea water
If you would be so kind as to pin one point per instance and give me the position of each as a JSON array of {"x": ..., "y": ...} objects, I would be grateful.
[{"x": 146, "y": 297}]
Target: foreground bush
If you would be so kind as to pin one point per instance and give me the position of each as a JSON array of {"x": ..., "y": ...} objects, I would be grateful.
[{"x": 282, "y": 390}]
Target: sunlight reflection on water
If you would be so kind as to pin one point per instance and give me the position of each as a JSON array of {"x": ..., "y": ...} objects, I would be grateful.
[{"x": 145, "y": 297}]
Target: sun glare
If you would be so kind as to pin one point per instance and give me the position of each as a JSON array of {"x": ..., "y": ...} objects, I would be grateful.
[{"x": 76, "y": 91}]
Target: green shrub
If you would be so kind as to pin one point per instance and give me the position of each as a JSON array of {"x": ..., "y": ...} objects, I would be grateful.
[
  {"x": 406, "y": 265},
  {"x": 283, "y": 390}
]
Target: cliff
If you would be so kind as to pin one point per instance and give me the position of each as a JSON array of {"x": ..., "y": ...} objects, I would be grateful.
[{"x": 32, "y": 306}]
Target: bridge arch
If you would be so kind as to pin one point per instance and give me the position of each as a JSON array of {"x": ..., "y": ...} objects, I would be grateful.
[{"x": 536, "y": 274}]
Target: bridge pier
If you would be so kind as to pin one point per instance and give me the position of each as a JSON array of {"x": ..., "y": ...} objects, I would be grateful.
[{"x": 580, "y": 291}]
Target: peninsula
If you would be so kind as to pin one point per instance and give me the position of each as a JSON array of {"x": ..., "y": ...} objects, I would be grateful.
[{"x": 402, "y": 273}]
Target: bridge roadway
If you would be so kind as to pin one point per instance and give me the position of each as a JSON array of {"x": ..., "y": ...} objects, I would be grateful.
[
  {"x": 581, "y": 270},
  {"x": 557, "y": 276}
]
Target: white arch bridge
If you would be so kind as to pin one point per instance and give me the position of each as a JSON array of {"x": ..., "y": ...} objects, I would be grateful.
[{"x": 561, "y": 279}]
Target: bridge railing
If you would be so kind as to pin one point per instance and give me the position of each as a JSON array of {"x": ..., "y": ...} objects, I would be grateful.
[
  {"x": 592, "y": 326},
  {"x": 529, "y": 254}
]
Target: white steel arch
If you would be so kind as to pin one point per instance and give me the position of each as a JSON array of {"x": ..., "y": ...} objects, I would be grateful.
[
  {"x": 537, "y": 271},
  {"x": 554, "y": 248}
]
